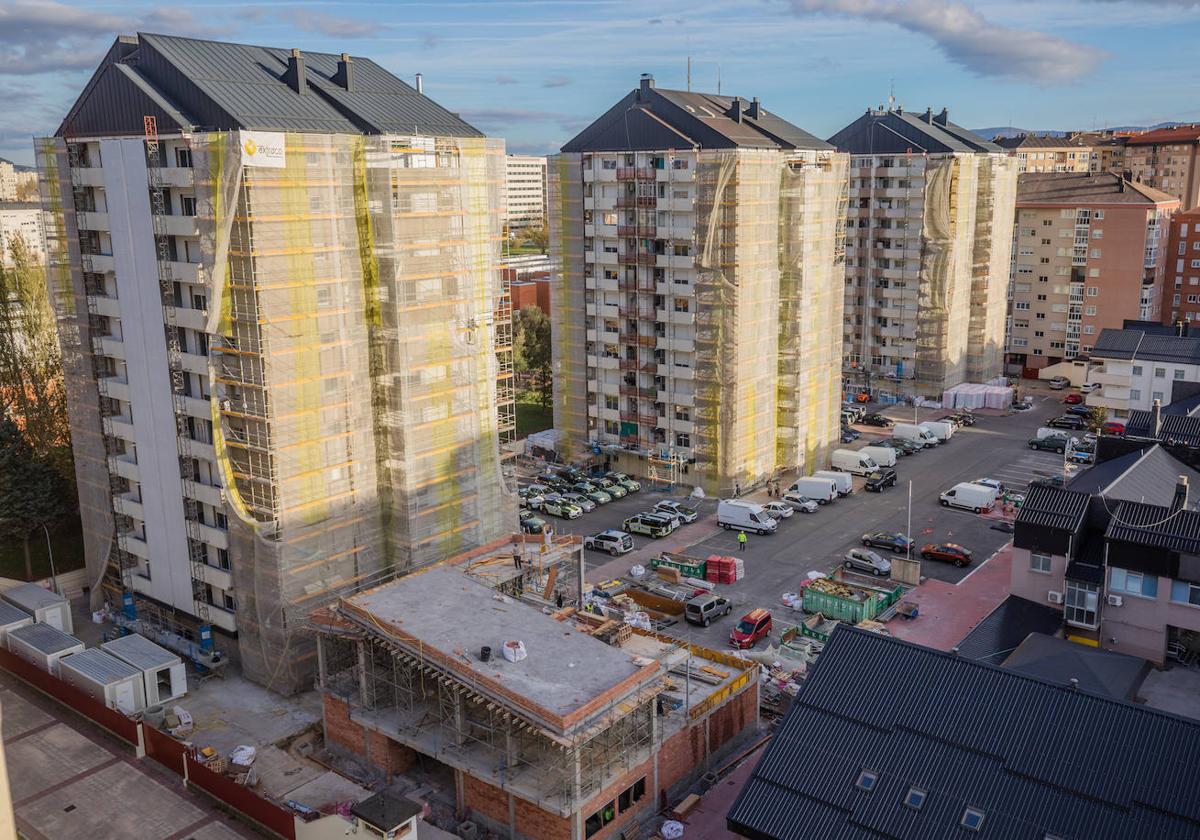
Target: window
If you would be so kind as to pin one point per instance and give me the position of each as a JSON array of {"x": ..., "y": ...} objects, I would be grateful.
[
  {"x": 683, "y": 440},
  {"x": 1156, "y": 395},
  {"x": 972, "y": 818},
  {"x": 1183, "y": 592},
  {"x": 1039, "y": 562},
  {"x": 1081, "y": 602},
  {"x": 1133, "y": 583},
  {"x": 611, "y": 403},
  {"x": 681, "y": 304},
  {"x": 600, "y": 819},
  {"x": 1089, "y": 310},
  {"x": 183, "y": 158},
  {"x": 1160, "y": 373},
  {"x": 187, "y": 205},
  {"x": 632, "y": 794},
  {"x": 915, "y": 798},
  {"x": 1135, "y": 394},
  {"x": 1137, "y": 370},
  {"x": 867, "y": 780},
  {"x": 1093, "y": 291},
  {"x": 1178, "y": 373}
]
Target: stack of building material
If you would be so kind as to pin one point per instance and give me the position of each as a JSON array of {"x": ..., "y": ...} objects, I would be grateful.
[{"x": 725, "y": 569}]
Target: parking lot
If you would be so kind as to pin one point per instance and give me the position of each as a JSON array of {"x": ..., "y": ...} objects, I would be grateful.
[{"x": 996, "y": 447}]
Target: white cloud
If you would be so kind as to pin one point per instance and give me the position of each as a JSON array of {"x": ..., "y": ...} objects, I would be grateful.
[
  {"x": 970, "y": 40},
  {"x": 44, "y": 37},
  {"x": 335, "y": 25}
]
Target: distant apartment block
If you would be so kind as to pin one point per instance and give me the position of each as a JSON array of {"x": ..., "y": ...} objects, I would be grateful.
[
  {"x": 1182, "y": 288},
  {"x": 697, "y": 311},
  {"x": 17, "y": 184},
  {"x": 1047, "y": 153},
  {"x": 525, "y": 191},
  {"x": 1167, "y": 159},
  {"x": 928, "y": 237},
  {"x": 1088, "y": 255},
  {"x": 277, "y": 281},
  {"x": 1136, "y": 367},
  {"x": 1107, "y": 149},
  {"x": 22, "y": 220}
]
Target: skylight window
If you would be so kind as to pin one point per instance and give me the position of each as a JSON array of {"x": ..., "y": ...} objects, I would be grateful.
[
  {"x": 915, "y": 798},
  {"x": 972, "y": 819},
  {"x": 867, "y": 780}
]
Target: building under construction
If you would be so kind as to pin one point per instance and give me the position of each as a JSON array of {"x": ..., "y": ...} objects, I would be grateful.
[
  {"x": 697, "y": 309},
  {"x": 928, "y": 251},
  {"x": 551, "y": 723},
  {"x": 284, "y": 333}
]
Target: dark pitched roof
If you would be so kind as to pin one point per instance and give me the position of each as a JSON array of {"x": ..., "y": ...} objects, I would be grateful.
[
  {"x": 1059, "y": 661},
  {"x": 1139, "y": 344},
  {"x": 1053, "y": 507},
  {"x": 189, "y": 83},
  {"x": 1036, "y": 141},
  {"x": 994, "y": 638},
  {"x": 1034, "y": 757},
  {"x": 1156, "y": 526},
  {"x": 899, "y": 131},
  {"x": 1179, "y": 423},
  {"x": 1148, "y": 475},
  {"x": 650, "y": 118},
  {"x": 1038, "y": 188}
]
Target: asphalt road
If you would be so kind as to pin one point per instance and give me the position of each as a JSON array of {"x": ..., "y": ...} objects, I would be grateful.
[{"x": 995, "y": 447}]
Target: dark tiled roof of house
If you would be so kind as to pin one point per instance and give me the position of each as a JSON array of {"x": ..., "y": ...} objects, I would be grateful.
[
  {"x": 1156, "y": 526},
  {"x": 1038, "y": 188},
  {"x": 1034, "y": 758},
  {"x": 898, "y": 132},
  {"x": 1137, "y": 344},
  {"x": 1177, "y": 134},
  {"x": 1059, "y": 661},
  {"x": 1036, "y": 141},
  {"x": 1053, "y": 507},
  {"x": 1148, "y": 475},
  {"x": 994, "y": 638}
]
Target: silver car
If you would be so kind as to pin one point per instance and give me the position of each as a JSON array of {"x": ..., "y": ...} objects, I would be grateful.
[
  {"x": 779, "y": 510},
  {"x": 582, "y": 502},
  {"x": 866, "y": 560},
  {"x": 800, "y": 503}
]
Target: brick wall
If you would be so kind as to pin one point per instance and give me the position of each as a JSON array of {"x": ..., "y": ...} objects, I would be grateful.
[
  {"x": 339, "y": 729},
  {"x": 491, "y": 803}
]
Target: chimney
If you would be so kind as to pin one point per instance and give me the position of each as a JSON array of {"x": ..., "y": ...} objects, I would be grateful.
[
  {"x": 345, "y": 73},
  {"x": 943, "y": 117},
  {"x": 1180, "y": 499},
  {"x": 295, "y": 73},
  {"x": 928, "y": 115},
  {"x": 1074, "y": 684},
  {"x": 755, "y": 109},
  {"x": 644, "y": 87},
  {"x": 735, "y": 112},
  {"x": 1156, "y": 416},
  {"x": 420, "y": 84}
]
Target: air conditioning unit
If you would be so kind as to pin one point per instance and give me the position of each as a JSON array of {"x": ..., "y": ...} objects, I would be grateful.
[
  {"x": 1114, "y": 600},
  {"x": 1054, "y": 597}
]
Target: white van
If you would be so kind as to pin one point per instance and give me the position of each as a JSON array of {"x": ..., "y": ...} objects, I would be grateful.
[
  {"x": 884, "y": 456},
  {"x": 913, "y": 432},
  {"x": 971, "y": 496},
  {"x": 745, "y": 516},
  {"x": 942, "y": 429},
  {"x": 851, "y": 461},
  {"x": 820, "y": 490},
  {"x": 843, "y": 481}
]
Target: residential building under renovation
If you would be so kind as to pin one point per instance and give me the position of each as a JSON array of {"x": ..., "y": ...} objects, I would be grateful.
[
  {"x": 276, "y": 277},
  {"x": 543, "y": 721},
  {"x": 699, "y": 298},
  {"x": 928, "y": 241}
]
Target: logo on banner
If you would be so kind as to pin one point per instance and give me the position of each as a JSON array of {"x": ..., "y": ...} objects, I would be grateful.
[{"x": 262, "y": 148}]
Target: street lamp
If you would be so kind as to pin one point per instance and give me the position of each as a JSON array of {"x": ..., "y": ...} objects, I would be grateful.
[{"x": 50, "y": 551}]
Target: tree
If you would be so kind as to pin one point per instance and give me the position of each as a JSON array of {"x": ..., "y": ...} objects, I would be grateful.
[
  {"x": 531, "y": 350},
  {"x": 33, "y": 493},
  {"x": 537, "y": 237}
]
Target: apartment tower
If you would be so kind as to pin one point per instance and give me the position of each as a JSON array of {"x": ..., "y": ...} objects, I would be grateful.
[
  {"x": 1181, "y": 294},
  {"x": 276, "y": 277},
  {"x": 524, "y": 191},
  {"x": 1088, "y": 255},
  {"x": 1167, "y": 159},
  {"x": 697, "y": 308},
  {"x": 928, "y": 236}
]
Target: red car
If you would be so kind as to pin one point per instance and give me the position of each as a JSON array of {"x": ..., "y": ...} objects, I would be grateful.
[
  {"x": 1073, "y": 399},
  {"x": 948, "y": 553},
  {"x": 754, "y": 625},
  {"x": 1112, "y": 427}
]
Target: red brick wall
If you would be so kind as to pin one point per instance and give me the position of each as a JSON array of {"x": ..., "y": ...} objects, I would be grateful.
[
  {"x": 339, "y": 729},
  {"x": 491, "y": 802}
]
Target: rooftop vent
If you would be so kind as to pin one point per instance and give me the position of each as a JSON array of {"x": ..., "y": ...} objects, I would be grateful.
[
  {"x": 644, "y": 87},
  {"x": 295, "y": 73},
  {"x": 345, "y": 73}
]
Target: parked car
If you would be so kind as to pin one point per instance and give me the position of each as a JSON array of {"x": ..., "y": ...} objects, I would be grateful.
[
  {"x": 596, "y": 494},
  {"x": 613, "y": 541},
  {"x": 1022, "y": 406},
  {"x": 625, "y": 481},
  {"x": 649, "y": 524},
  {"x": 1049, "y": 481},
  {"x": 584, "y": 503},
  {"x": 866, "y": 560},
  {"x": 1073, "y": 399},
  {"x": 1082, "y": 456},
  {"x": 948, "y": 553},
  {"x": 531, "y": 523},
  {"x": 875, "y": 419},
  {"x": 707, "y": 608},
  {"x": 612, "y": 488},
  {"x": 754, "y": 625},
  {"x": 890, "y": 540},
  {"x": 556, "y": 505},
  {"x": 1050, "y": 444},
  {"x": 1068, "y": 421},
  {"x": 994, "y": 483},
  {"x": 555, "y": 484},
  {"x": 680, "y": 511},
  {"x": 530, "y": 498},
  {"x": 1112, "y": 427},
  {"x": 1089, "y": 387},
  {"x": 801, "y": 503},
  {"x": 969, "y": 496},
  {"x": 902, "y": 446},
  {"x": 1057, "y": 383},
  {"x": 572, "y": 475},
  {"x": 849, "y": 435},
  {"x": 880, "y": 479},
  {"x": 963, "y": 417},
  {"x": 1080, "y": 411},
  {"x": 779, "y": 510}
]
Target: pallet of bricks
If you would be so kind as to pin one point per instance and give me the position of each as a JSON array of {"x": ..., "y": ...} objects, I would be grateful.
[{"x": 724, "y": 569}]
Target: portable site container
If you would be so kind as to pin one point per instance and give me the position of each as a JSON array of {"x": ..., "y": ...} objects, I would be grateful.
[
  {"x": 45, "y": 606},
  {"x": 687, "y": 566},
  {"x": 114, "y": 683},
  {"x": 10, "y": 619},
  {"x": 43, "y": 645},
  {"x": 163, "y": 672}
]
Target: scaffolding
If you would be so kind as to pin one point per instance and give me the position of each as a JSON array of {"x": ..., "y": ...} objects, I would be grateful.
[{"x": 573, "y": 346}]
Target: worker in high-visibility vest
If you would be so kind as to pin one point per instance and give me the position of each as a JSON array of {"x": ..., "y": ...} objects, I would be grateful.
[{"x": 741, "y": 540}]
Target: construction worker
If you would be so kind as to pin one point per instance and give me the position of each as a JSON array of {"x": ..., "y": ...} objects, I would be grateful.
[{"x": 741, "y": 540}]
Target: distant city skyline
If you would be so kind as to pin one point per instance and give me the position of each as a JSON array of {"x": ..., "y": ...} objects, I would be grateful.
[{"x": 535, "y": 72}]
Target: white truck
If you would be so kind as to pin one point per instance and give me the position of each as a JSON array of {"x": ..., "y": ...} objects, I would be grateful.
[
  {"x": 820, "y": 490},
  {"x": 970, "y": 496},
  {"x": 914, "y": 433},
  {"x": 884, "y": 456},
  {"x": 852, "y": 461},
  {"x": 845, "y": 484},
  {"x": 745, "y": 516},
  {"x": 943, "y": 430}
]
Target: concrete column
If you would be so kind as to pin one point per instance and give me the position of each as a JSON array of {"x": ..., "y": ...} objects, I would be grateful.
[
  {"x": 321, "y": 675},
  {"x": 460, "y": 795},
  {"x": 459, "y": 719},
  {"x": 362, "y": 673},
  {"x": 512, "y": 817},
  {"x": 576, "y": 797}
]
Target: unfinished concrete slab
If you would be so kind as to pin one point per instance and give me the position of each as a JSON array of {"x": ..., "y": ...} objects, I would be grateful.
[
  {"x": 49, "y": 757},
  {"x": 99, "y": 805},
  {"x": 1176, "y": 690},
  {"x": 20, "y": 716},
  {"x": 217, "y": 830},
  {"x": 327, "y": 789},
  {"x": 232, "y": 711}
]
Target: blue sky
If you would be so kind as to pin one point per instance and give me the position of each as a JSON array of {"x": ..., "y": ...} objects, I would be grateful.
[{"x": 537, "y": 71}]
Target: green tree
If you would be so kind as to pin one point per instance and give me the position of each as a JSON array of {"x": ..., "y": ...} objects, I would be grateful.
[
  {"x": 33, "y": 493},
  {"x": 537, "y": 237},
  {"x": 531, "y": 350}
]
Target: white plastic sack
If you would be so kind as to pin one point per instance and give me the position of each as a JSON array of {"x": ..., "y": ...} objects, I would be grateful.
[
  {"x": 242, "y": 756},
  {"x": 514, "y": 651},
  {"x": 671, "y": 830},
  {"x": 639, "y": 620},
  {"x": 637, "y": 571}
]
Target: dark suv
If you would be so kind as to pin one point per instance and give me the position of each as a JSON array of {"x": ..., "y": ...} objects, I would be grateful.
[{"x": 884, "y": 477}]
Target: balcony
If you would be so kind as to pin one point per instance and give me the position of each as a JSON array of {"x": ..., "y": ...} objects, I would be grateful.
[
  {"x": 109, "y": 346},
  {"x": 627, "y": 258},
  {"x": 105, "y": 305},
  {"x": 175, "y": 176},
  {"x": 1102, "y": 377},
  {"x": 128, "y": 504},
  {"x": 186, "y": 272},
  {"x": 116, "y": 387},
  {"x": 98, "y": 263},
  {"x": 213, "y": 536},
  {"x": 90, "y": 220},
  {"x": 192, "y": 319},
  {"x": 206, "y": 493},
  {"x": 180, "y": 225},
  {"x": 124, "y": 466},
  {"x": 118, "y": 426},
  {"x": 629, "y": 364},
  {"x": 626, "y": 173},
  {"x": 218, "y": 577}
]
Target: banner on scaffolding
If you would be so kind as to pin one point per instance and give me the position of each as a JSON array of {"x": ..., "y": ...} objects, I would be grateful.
[{"x": 262, "y": 148}]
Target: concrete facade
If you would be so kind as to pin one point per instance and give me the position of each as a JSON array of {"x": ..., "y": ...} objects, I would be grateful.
[
  {"x": 1182, "y": 282},
  {"x": 1167, "y": 159},
  {"x": 524, "y": 192},
  {"x": 22, "y": 220}
]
